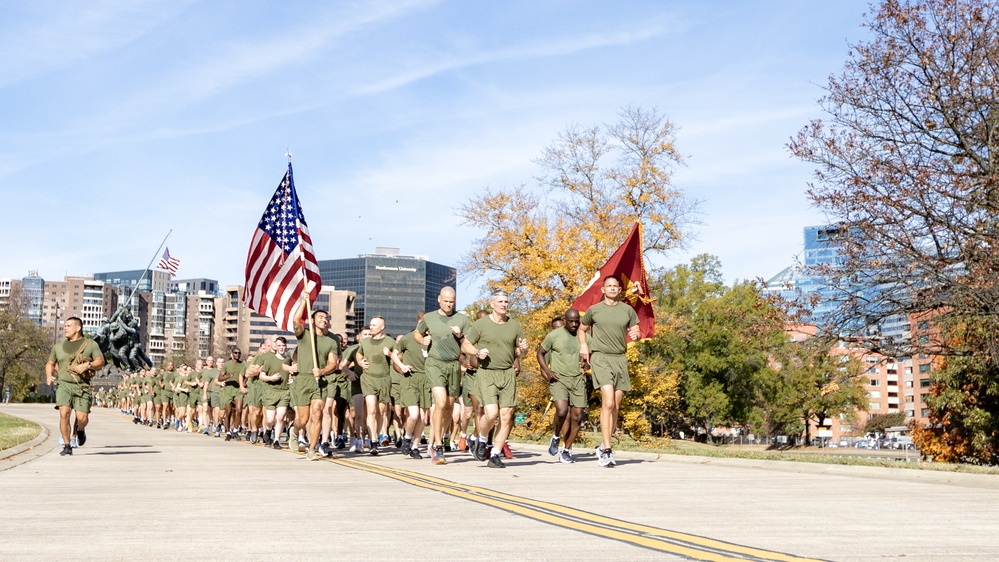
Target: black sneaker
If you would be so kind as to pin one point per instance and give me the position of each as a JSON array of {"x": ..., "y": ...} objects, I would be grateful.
[
  {"x": 407, "y": 446},
  {"x": 81, "y": 437},
  {"x": 252, "y": 438},
  {"x": 276, "y": 445},
  {"x": 423, "y": 440},
  {"x": 414, "y": 453},
  {"x": 374, "y": 450},
  {"x": 228, "y": 436},
  {"x": 398, "y": 442},
  {"x": 66, "y": 450},
  {"x": 339, "y": 443},
  {"x": 325, "y": 449},
  {"x": 495, "y": 462},
  {"x": 481, "y": 450},
  {"x": 267, "y": 439},
  {"x": 553, "y": 448}
]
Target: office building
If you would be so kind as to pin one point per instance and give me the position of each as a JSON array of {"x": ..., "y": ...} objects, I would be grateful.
[
  {"x": 387, "y": 284},
  {"x": 140, "y": 280}
]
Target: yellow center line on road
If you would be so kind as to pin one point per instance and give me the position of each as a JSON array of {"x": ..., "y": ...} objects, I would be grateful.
[{"x": 662, "y": 540}]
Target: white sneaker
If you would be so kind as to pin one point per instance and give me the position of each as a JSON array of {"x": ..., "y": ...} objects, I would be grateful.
[
  {"x": 61, "y": 442},
  {"x": 355, "y": 446},
  {"x": 605, "y": 459},
  {"x": 73, "y": 442}
]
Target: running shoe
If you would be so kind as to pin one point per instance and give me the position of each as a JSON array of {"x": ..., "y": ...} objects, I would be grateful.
[
  {"x": 605, "y": 459},
  {"x": 462, "y": 443},
  {"x": 81, "y": 437},
  {"x": 414, "y": 453},
  {"x": 566, "y": 457},
  {"x": 385, "y": 441},
  {"x": 276, "y": 444},
  {"x": 447, "y": 441},
  {"x": 66, "y": 450},
  {"x": 439, "y": 455},
  {"x": 311, "y": 455},
  {"x": 74, "y": 442},
  {"x": 507, "y": 452},
  {"x": 553, "y": 447},
  {"x": 407, "y": 446},
  {"x": 373, "y": 452},
  {"x": 339, "y": 443},
  {"x": 495, "y": 462}
]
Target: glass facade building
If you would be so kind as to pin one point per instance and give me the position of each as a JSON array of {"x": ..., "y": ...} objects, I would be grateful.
[
  {"x": 147, "y": 280},
  {"x": 393, "y": 286}
]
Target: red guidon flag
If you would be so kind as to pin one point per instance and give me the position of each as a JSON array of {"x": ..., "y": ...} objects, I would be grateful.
[
  {"x": 627, "y": 265},
  {"x": 281, "y": 264}
]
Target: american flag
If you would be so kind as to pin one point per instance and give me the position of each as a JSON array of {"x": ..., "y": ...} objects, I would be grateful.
[
  {"x": 168, "y": 263},
  {"x": 281, "y": 261}
]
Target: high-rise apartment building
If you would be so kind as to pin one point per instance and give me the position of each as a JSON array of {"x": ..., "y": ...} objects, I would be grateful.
[
  {"x": 390, "y": 285},
  {"x": 246, "y": 329}
]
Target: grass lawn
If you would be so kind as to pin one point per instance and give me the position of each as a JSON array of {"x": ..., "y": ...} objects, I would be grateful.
[
  {"x": 14, "y": 431},
  {"x": 844, "y": 456}
]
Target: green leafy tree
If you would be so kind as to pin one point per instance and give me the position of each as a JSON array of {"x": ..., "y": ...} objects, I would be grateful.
[{"x": 24, "y": 348}]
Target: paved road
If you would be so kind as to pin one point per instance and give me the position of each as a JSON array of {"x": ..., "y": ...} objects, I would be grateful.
[{"x": 139, "y": 493}]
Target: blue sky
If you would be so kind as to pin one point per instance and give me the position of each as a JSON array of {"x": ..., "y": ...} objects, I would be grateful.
[{"x": 123, "y": 120}]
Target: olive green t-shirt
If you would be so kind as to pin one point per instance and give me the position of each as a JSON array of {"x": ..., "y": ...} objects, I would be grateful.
[
  {"x": 271, "y": 364},
  {"x": 500, "y": 339},
  {"x": 64, "y": 352},
  {"x": 324, "y": 346},
  {"x": 443, "y": 345},
  {"x": 209, "y": 376},
  {"x": 609, "y": 326},
  {"x": 412, "y": 352},
  {"x": 232, "y": 369},
  {"x": 562, "y": 351},
  {"x": 350, "y": 356},
  {"x": 374, "y": 351},
  {"x": 168, "y": 378}
]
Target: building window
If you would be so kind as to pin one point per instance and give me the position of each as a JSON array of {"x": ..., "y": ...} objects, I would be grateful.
[
  {"x": 875, "y": 382},
  {"x": 924, "y": 383},
  {"x": 924, "y": 368}
]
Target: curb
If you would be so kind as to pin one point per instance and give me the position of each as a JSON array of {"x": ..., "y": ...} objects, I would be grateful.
[{"x": 18, "y": 449}]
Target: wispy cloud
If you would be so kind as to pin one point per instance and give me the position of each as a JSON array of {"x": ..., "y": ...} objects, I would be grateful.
[
  {"x": 551, "y": 48},
  {"x": 55, "y": 35}
]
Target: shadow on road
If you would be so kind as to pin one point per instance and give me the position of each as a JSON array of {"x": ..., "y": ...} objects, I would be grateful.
[{"x": 124, "y": 453}]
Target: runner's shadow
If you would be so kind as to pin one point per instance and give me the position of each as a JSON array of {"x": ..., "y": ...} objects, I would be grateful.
[
  {"x": 124, "y": 453},
  {"x": 123, "y": 446}
]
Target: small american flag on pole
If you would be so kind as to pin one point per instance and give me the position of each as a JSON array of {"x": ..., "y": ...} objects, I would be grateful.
[
  {"x": 281, "y": 264},
  {"x": 168, "y": 262}
]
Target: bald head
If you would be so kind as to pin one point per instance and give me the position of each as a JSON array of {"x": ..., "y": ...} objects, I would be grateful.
[
  {"x": 572, "y": 320},
  {"x": 446, "y": 300}
]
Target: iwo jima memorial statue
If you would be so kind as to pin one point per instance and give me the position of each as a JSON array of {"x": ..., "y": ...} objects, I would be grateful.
[{"x": 118, "y": 337}]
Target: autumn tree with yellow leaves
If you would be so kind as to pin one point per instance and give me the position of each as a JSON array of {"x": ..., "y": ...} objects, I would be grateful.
[{"x": 543, "y": 242}]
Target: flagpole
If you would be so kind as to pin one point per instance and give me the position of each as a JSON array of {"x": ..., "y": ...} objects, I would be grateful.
[
  {"x": 143, "y": 276},
  {"x": 308, "y": 296}
]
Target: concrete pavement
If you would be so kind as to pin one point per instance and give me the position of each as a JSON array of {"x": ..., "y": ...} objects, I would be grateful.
[{"x": 139, "y": 493}]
